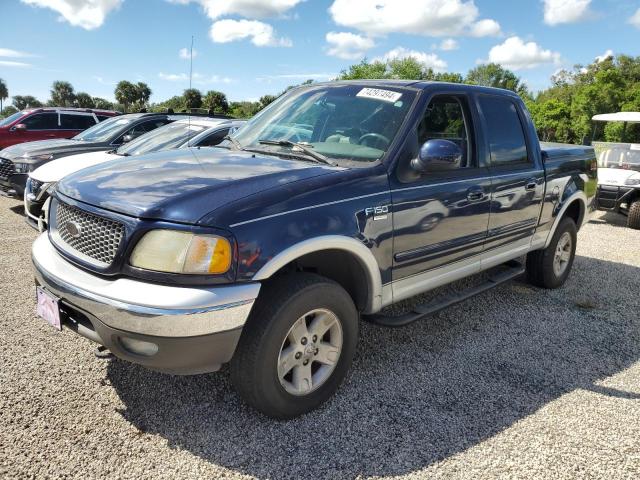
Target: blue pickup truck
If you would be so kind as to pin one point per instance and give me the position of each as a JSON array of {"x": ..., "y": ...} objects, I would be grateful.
[{"x": 334, "y": 202}]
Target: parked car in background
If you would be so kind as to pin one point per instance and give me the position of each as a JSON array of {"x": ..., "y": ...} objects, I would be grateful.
[
  {"x": 189, "y": 132},
  {"x": 48, "y": 122},
  {"x": 266, "y": 253},
  {"x": 18, "y": 160},
  {"x": 619, "y": 171}
]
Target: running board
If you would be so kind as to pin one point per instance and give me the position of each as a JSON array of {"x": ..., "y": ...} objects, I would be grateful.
[{"x": 513, "y": 269}]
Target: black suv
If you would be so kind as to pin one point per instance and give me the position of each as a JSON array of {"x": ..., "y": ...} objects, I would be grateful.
[{"x": 18, "y": 160}]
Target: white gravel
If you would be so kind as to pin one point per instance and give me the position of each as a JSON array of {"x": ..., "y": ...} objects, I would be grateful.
[{"x": 516, "y": 383}]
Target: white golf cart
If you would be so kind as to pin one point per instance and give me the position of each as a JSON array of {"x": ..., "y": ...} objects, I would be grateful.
[{"x": 619, "y": 171}]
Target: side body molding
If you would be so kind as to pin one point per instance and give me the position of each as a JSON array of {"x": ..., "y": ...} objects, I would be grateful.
[{"x": 332, "y": 242}]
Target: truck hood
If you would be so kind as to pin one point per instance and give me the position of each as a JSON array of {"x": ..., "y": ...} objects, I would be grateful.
[
  {"x": 41, "y": 147},
  {"x": 56, "y": 169},
  {"x": 183, "y": 185}
]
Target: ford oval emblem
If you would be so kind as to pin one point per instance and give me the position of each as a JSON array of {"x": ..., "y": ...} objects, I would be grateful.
[{"x": 74, "y": 229}]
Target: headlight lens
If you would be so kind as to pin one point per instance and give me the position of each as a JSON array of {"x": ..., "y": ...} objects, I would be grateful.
[
  {"x": 21, "y": 167},
  {"x": 173, "y": 251},
  {"x": 634, "y": 180}
]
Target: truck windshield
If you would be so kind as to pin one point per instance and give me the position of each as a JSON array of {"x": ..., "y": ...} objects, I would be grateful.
[
  {"x": 169, "y": 136},
  {"x": 103, "y": 131},
  {"x": 10, "y": 119},
  {"x": 350, "y": 122},
  {"x": 618, "y": 155}
]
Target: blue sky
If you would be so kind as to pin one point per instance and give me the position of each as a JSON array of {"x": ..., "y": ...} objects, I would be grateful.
[{"x": 247, "y": 48}]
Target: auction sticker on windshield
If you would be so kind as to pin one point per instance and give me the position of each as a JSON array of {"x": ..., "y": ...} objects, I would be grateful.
[{"x": 379, "y": 94}]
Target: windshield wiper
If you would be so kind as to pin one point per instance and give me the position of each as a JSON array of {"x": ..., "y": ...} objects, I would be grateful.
[
  {"x": 235, "y": 142},
  {"x": 308, "y": 149}
]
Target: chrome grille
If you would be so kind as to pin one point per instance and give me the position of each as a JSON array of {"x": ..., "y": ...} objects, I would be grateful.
[
  {"x": 6, "y": 168},
  {"x": 91, "y": 235}
]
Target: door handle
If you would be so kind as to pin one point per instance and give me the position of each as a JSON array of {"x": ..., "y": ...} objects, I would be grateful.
[
  {"x": 473, "y": 194},
  {"x": 531, "y": 185}
]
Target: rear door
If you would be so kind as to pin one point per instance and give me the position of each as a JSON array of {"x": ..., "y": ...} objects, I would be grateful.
[
  {"x": 441, "y": 217},
  {"x": 517, "y": 182},
  {"x": 72, "y": 124}
]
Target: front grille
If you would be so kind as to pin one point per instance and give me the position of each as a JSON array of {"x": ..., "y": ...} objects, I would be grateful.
[
  {"x": 6, "y": 168},
  {"x": 96, "y": 237}
]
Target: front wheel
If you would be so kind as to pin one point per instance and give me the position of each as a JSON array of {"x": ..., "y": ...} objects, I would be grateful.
[
  {"x": 297, "y": 346},
  {"x": 633, "y": 220},
  {"x": 549, "y": 268}
]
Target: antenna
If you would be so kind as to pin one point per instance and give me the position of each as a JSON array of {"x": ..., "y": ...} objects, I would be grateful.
[{"x": 190, "y": 78}]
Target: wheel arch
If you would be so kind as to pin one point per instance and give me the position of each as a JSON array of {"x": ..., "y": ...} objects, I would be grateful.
[
  {"x": 574, "y": 206},
  {"x": 343, "y": 259}
]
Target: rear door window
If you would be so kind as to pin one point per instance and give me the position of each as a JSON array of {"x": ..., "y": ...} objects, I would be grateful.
[
  {"x": 504, "y": 130},
  {"x": 214, "y": 139},
  {"x": 76, "y": 122},
  {"x": 41, "y": 121}
]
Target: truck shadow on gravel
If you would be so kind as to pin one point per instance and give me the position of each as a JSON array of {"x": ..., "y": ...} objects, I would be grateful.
[{"x": 415, "y": 395}]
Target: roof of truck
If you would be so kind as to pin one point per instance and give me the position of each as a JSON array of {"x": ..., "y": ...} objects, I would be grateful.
[{"x": 629, "y": 117}]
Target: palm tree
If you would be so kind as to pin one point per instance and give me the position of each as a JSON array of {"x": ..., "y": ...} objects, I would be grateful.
[
  {"x": 192, "y": 98},
  {"x": 143, "y": 93},
  {"x": 126, "y": 93},
  {"x": 216, "y": 101},
  {"x": 4, "y": 93},
  {"x": 62, "y": 94}
]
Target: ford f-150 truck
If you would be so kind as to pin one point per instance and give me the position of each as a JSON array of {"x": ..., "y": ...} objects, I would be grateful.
[{"x": 333, "y": 203}]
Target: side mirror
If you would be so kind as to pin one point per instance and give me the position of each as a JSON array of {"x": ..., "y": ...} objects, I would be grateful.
[
  {"x": 127, "y": 138},
  {"x": 437, "y": 155},
  {"x": 21, "y": 127}
]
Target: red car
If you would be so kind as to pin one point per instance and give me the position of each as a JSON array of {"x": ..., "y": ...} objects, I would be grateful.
[{"x": 48, "y": 122}]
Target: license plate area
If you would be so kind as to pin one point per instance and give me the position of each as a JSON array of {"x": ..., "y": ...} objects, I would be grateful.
[{"x": 48, "y": 308}]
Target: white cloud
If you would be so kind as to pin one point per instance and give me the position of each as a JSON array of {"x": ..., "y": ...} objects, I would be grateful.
[
  {"x": 9, "y": 53},
  {"x": 448, "y": 44},
  {"x": 428, "y": 60},
  {"x": 485, "y": 28},
  {"x": 348, "y": 45},
  {"x": 434, "y": 18},
  {"x": 198, "y": 78},
  {"x": 515, "y": 54},
  {"x": 244, "y": 8},
  {"x": 635, "y": 19},
  {"x": 604, "y": 56},
  {"x": 557, "y": 12},
  {"x": 88, "y": 14},
  {"x": 261, "y": 34},
  {"x": 10, "y": 63},
  {"x": 185, "y": 53}
]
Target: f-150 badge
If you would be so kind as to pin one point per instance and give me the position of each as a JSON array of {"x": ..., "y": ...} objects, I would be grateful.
[{"x": 379, "y": 213}]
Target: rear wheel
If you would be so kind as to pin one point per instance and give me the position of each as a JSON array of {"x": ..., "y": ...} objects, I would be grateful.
[
  {"x": 549, "y": 268},
  {"x": 297, "y": 346},
  {"x": 633, "y": 220}
]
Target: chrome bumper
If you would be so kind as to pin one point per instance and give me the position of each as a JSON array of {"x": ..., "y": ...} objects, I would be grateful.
[{"x": 143, "y": 308}]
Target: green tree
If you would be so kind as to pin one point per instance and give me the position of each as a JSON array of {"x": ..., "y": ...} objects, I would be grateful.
[
  {"x": 84, "y": 100},
  {"x": 176, "y": 103},
  {"x": 4, "y": 92},
  {"x": 266, "y": 100},
  {"x": 25, "y": 101},
  {"x": 494, "y": 75},
  {"x": 126, "y": 94},
  {"x": 143, "y": 93},
  {"x": 244, "y": 109},
  {"x": 62, "y": 94},
  {"x": 364, "y": 70},
  {"x": 216, "y": 101},
  {"x": 192, "y": 98},
  {"x": 102, "y": 103},
  {"x": 8, "y": 111}
]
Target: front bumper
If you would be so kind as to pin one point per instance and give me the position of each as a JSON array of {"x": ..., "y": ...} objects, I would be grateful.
[
  {"x": 610, "y": 197},
  {"x": 13, "y": 185},
  {"x": 195, "y": 329}
]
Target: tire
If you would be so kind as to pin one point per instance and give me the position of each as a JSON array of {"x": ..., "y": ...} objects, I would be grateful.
[
  {"x": 542, "y": 269},
  {"x": 633, "y": 220},
  {"x": 275, "y": 328}
]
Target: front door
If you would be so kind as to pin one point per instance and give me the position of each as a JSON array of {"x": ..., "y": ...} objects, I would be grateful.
[{"x": 440, "y": 217}]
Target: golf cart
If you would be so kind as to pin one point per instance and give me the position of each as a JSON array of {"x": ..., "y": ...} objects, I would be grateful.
[{"x": 619, "y": 171}]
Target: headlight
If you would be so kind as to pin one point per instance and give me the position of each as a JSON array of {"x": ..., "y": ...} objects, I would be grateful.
[
  {"x": 633, "y": 180},
  {"x": 21, "y": 167},
  {"x": 173, "y": 251}
]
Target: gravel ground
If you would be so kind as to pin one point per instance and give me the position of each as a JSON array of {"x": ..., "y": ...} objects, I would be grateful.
[{"x": 516, "y": 383}]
